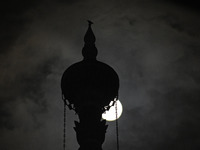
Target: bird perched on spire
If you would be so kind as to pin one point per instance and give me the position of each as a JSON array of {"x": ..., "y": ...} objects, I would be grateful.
[{"x": 90, "y": 22}]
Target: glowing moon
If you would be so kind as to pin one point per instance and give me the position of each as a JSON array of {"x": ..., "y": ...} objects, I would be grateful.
[{"x": 110, "y": 115}]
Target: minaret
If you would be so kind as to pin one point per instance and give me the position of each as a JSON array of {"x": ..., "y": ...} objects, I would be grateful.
[{"x": 88, "y": 87}]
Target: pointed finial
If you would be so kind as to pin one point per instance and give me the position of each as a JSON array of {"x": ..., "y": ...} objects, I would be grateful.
[
  {"x": 89, "y": 36},
  {"x": 89, "y": 50}
]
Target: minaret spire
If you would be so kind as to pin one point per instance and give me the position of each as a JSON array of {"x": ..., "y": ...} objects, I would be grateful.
[{"x": 89, "y": 50}]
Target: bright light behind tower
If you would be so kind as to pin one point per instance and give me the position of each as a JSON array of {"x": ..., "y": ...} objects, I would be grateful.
[{"x": 111, "y": 114}]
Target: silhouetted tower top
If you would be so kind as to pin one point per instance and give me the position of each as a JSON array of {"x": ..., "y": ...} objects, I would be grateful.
[
  {"x": 89, "y": 82},
  {"x": 89, "y": 50}
]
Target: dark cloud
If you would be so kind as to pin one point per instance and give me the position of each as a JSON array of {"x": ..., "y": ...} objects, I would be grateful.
[
  {"x": 13, "y": 21},
  {"x": 18, "y": 91},
  {"x": 192, "y": 5},
  {"x": 179, "y": 24}
]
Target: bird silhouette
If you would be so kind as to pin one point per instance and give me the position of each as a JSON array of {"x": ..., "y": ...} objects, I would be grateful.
[{"x": 90, "y": 22}]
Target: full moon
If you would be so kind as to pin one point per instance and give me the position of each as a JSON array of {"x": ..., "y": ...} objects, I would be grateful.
[{"x": 110, "y": 115}]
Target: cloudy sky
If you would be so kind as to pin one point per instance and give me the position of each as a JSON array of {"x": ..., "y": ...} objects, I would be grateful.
[{"x": 154, "y": 46}]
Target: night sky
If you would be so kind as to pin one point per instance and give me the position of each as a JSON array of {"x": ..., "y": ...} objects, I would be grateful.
[{"x": 153, "y": 45}]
